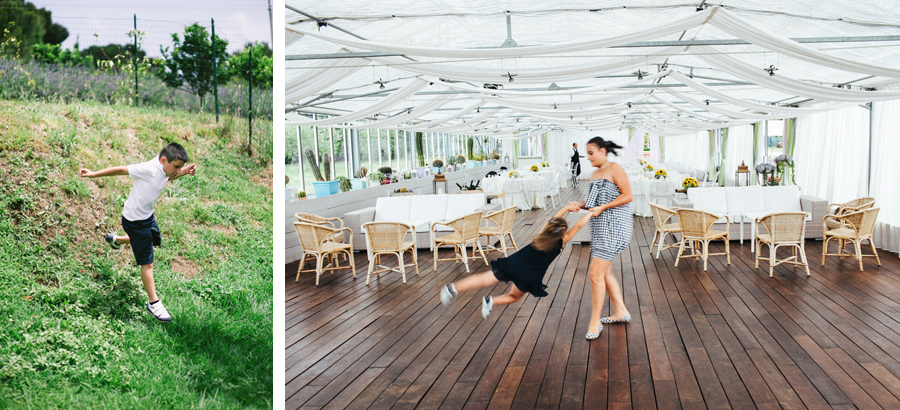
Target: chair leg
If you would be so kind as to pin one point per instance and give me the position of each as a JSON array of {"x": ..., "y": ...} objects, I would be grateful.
[
  {"x": 772, "y": 250},
  {"x": 858, "y": 254},
  {"x": 352, "y": 263},
  {"x": 803, "y": 257},
  {"x": 465, "y": 256},
  {"x": 480, "y": 251},
  {"x": 402, "y": 266},
  {"x": 415, "y": 256},
  {"x": 319, "y": 260},
  {"x": 659, "y": 244},
  {"x": 824, "y": 249},
  {"x": 705, "y": 254},
  {"x": 503, "y": 245},
  {"x": 300, "y": 268},
  {"x": 727, "y": 250},
  {"x": 434, "y": 247},
  {"x": 655, "y": 236},
  {"x": 871, "y": 244},
  {"x": 756, "y": 256},
  {"x": 680, "y": 251},
  {"x": 371, "y": 268},
  {"x": 841, "y": 252},
  {"x": 513, "y": 240}
]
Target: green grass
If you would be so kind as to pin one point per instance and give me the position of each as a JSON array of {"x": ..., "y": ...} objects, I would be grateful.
[{"x": 74, "y": 333}]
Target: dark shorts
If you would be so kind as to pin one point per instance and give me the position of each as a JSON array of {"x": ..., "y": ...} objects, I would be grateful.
[{"x": 144, "y": 236}]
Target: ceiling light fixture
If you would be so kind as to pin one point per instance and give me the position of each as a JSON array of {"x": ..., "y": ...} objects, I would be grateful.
[
  {"x": 380, "y": 81},
  {"x": 771, "y": 70},
  {"x": 510, "y": 75}
]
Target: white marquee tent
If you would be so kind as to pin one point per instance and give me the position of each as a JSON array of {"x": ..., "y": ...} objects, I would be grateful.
[{"x": 570, "y": 69}]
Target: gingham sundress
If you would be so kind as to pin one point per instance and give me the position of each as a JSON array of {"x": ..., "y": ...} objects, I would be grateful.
[{"x": 611, "y": 231}]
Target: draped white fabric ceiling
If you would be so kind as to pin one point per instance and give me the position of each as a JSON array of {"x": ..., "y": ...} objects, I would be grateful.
[{"x": 427, "y": 66}]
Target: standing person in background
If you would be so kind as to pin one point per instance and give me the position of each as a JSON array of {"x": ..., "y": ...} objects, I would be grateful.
[{"x": 575, "y": 164}]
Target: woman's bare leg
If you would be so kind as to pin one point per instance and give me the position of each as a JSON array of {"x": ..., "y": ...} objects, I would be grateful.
[
  {"x": 513, "y": 296},
  {"x": 615, "y": 295},
  {"x": 597, "y": 274}
]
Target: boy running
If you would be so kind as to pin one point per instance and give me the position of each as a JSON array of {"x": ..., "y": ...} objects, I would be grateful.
[{"x": 137, "y": 217}]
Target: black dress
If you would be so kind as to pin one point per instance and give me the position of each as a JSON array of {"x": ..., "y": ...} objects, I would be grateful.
[
  {"x": 575, "y": 163},
  {"x": 526, "y": 268}
]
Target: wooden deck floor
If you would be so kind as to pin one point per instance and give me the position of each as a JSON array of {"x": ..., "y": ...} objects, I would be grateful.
[{"x": 728, "y": 338}]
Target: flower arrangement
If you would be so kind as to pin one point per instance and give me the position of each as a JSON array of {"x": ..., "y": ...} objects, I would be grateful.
[
  {"x": 765, "y": 169},
  {"x": 534, "y": 168},
  {"x": 782, "y": 163},
  {"x": 544, "y": 164},
  {"x": 689, "y": 183},
  {"x": 773, "y": 180},
  {"x": 648, "y": 168},
  {"x": 513, "y": 174},
  {"x": 660, "y": 174},
  {"x": 642, "y": 162}
]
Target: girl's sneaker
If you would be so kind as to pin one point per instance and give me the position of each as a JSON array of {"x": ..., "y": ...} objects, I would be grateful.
[
  {"x": 111, "y": 238},
  {"x": 447, "y": 294},
  {"x": 486, "y": 305}
]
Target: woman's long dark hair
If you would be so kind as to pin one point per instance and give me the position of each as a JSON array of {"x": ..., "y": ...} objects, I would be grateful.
[
  {"x": 549, "y": 237},
  {"x": 610, "y": 146}
]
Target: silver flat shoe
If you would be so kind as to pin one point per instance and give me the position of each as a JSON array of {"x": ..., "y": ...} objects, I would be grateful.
[
  {"x": 624, "y": 319},
  {"x": 592, "y": 336}
]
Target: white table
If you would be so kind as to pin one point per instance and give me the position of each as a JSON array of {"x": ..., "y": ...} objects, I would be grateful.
[{"x": 520, "y": 192}]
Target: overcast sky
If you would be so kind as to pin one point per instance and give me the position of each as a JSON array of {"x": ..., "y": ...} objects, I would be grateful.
[{"x": 91, "y": 23}]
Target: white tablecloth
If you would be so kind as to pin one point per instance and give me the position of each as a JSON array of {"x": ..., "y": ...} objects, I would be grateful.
[
  {"x": 646, "y": 190},
  {"x": 523, "y": 193}
]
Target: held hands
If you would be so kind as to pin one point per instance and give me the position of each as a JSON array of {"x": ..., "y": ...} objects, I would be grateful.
[
  {"x": 596, "y": 211},
  {"x": 574, "y": 207}
]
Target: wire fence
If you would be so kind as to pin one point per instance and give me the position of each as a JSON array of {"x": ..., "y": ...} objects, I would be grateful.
[{"x": 121, "y": 75}]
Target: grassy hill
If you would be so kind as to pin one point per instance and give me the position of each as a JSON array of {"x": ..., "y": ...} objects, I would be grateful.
[{"x": 74, "y": 333}]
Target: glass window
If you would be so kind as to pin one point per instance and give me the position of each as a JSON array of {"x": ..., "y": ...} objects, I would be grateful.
[
  {"x": 774, "y": 139},
  {"x": 531, "y": 147}
]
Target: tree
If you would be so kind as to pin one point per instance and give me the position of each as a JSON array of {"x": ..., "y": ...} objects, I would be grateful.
[
  {"x": 119, "y": 54},
  {"x": 189, "y": 64},
  {"x": 28, "y": 25},
  {"x": 262, "y": 64}
]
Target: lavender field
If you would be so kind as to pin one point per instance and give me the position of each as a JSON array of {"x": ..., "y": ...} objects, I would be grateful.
[{"x": 60, "y": 83}]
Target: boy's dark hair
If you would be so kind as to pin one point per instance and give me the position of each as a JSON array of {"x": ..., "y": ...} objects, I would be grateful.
[
  {"x": 173, "y": 152},
  {"x": 549, "y": 237},
  {"x": 610, "y": 146}
]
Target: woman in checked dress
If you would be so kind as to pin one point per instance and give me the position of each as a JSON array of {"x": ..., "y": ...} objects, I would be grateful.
[{"x": 609, "y": 195}]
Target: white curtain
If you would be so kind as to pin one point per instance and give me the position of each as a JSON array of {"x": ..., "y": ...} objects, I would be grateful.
[
  {"x": 688, "y": 152},
  {"x": 740, "y": 148},
  {"x": 831, "y": 154},
  {"x": 885, "y": 146}
]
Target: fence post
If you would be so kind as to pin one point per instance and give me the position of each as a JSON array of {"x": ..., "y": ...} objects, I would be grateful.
[
  {"x": 212, "y": 23},
  {"x": 134, "y": 63},
  {"x": 250, "y": 110}
]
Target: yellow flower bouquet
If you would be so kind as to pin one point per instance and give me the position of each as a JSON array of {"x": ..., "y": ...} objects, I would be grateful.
[
  {"x": 648, "y": 168},
  {"x": 513, "y": 174},
  {"x": 534, "y": 168},
  {"x": 660, "y": 174},
  {"x": 545, "y": 165},
  {"x": 690, "y": 183}
]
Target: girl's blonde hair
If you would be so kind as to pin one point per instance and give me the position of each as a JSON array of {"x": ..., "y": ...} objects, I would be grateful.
[{"x": 550, "y": 235}]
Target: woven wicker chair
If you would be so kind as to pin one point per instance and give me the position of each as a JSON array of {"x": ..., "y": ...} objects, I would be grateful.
[
  {"x": 857, "y": 204},
  {"x": 321, "y": 220},
  {"x": 316, "y": 243},
  {"x": 854, "y": 228},
  {"x": 389, "y": 238},
  {"x": 784, "y": 229},
  {"x": 661, "y": 218},
  {"x": 499, "y": 224},
  {"x": 695, "y": 227},
  {"x": 465, "y": 231}
]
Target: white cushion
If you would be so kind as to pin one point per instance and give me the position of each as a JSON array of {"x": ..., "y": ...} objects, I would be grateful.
[
  {"x": 428, "y": 208},
  {"x": 392, "y": 209},
  {"x": 711, "y": 200},
  {"x": 782, "y": 199},
  {"x": 460, "y": 205},
  {"x": 744, "y": 199}
]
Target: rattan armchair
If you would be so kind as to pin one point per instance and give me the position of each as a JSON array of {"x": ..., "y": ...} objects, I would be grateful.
[
  {"x": 857, "y": 204},
  {"x": 333, "y": 223},
  {"x": 696, "y": 227},
  {"x": 854, "y": 227},
  {"x": 465, "y": 231},
  {"x": 662, "y": 217},
  {"x": 316, "y": 243},
  {"x": 784, "y": 229},
  {"x": 389, "y": 238},
  {"x": 499, "y": 224}
]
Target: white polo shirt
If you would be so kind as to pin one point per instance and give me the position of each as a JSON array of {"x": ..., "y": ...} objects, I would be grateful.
[{"x": 149, "y": 181}]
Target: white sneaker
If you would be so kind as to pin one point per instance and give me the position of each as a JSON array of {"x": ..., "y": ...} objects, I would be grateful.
[
  {"x": 447, "y": 294},
  {"x": 486, "y": 305},
  {"x": 159, "y": 311}
]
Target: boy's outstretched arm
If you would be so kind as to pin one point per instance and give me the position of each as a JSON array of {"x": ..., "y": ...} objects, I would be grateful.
[
  {"x": 188, "y": 170},
  {"x": 108, "y": 172}
]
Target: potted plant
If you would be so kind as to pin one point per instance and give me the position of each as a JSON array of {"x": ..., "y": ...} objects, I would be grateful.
[
  {"x": 660, "y": 174},
  {"x": 377, "y": 177},
  {"x": 359, "y": 178},
  {"x": 784, "y": 164},
  {"x": 344, "y": 184},
  {"x": 301, "y": 195},
  {"x": 436, "y": 166},
  {"x": 765, "y": 170},
  {"x": 323, "y": 185}
]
